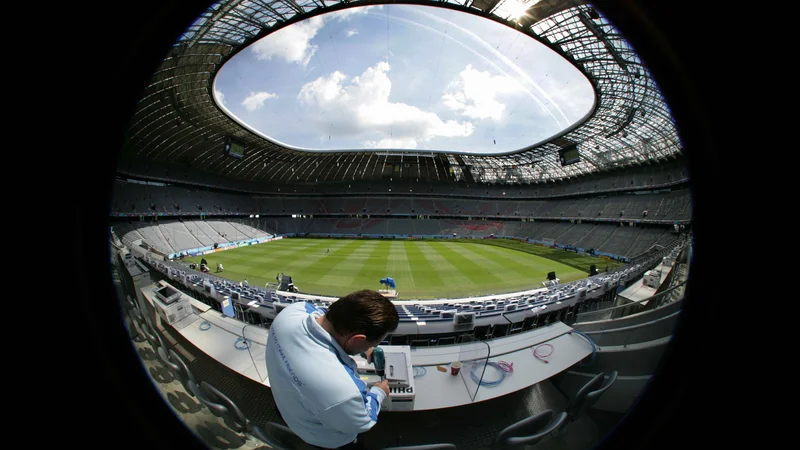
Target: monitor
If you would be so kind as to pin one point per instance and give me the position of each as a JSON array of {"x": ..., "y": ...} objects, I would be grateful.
[
  {"x": 207, "y": 288},
  {"x": 511, "y": 307},
  {"x": 464, "y": 319},
  {"x": 234, "y": 148},
  {"x": 168, "y": 294},
  {"x": 447, "y": 314},
  {"x": 235, "y": 295},
  {"x": 569, "y": 155}
]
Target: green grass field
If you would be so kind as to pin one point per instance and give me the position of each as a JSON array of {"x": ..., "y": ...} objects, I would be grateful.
[{"x": 421, "y": 268}]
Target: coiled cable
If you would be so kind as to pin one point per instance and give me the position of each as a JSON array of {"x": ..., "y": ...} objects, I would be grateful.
[{"x": 502, "y": 366}]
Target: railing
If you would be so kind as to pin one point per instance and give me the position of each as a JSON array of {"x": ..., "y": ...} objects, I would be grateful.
[
  {"x": 643, "y": 332},
  {"x": 637, "y": 306}
]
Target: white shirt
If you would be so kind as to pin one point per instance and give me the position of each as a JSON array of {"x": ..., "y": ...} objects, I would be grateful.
[{"x": 315, "y": 383}]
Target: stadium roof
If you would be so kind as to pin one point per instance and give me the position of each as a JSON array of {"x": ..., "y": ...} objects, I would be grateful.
[{"x": 178, "y": 120}]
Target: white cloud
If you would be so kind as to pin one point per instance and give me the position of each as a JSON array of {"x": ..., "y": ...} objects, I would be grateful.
[
  {"x": 219, "y": 96},
  {"x": 351, "y": 33},
  {"x": 391, "y": 143},
  {"x": 474, "y": 94},
  {"x": 256, "y": 100},
  {"x": 361, "y": 107},
  {"x": 293, "y": 43}
]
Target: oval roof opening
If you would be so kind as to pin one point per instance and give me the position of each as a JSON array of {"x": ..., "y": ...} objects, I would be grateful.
[{"x": 403, "y": 78}]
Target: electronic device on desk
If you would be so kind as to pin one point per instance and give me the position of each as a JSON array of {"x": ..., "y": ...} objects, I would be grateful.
[
  {"x": 464, "y": 320},
  {"x": 652, "y": 279},
  {"x": 166, "y": 293},
  {"x": 127, "y": 257},
  {"x": 397, "y": 369},
  {"x": 171, "y": 305}
]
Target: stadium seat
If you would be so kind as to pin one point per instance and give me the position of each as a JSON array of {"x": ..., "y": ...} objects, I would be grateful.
[
  {"x": 153, "y": 338},
  {"x": 420, "y": 343},
  {"x": 586, "y": 397},
  {"x": 220, "y": 405},
  {"x": 528, "y": 431},
  {"x": 481, "y": 332},
  {"x": 529, "y": 323},
  {"x": 181, "y": 371},
  {"x": 446, "y": 340},
  {"x": 500, "y": 330},
  {"x": 398, "y": 339}
]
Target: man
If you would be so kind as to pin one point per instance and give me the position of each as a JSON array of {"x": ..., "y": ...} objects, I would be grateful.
[{"x": 314, "y": 380}]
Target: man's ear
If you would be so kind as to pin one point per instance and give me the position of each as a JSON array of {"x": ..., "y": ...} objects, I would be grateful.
[{"x": 357, "y": 338}]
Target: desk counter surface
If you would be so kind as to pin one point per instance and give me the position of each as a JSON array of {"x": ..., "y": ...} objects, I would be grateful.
[{"x": 222, "y": 338}]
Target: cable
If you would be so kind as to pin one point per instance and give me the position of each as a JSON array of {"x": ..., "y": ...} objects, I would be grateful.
[
  {"x": 502, "y": 366},
  {"x": 205, "y": 322},
  {"x": 594, "y": 346},
  {"x": 245, "y": 341},
  {"x": 421, "y": 373},
  {"x": 540, "y": 356}
]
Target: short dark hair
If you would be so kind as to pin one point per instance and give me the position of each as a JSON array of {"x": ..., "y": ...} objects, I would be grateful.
[{"x": 363, "y": 312}]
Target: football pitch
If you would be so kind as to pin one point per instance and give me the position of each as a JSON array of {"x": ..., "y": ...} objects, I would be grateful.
[{"x": 421, "y": 268}]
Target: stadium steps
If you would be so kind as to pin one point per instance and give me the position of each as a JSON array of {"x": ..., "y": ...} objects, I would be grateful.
[
  {"x": 244, "y": 234},
  {"x": 199, "y": 242},
  {"x": 164, "y": 239}
]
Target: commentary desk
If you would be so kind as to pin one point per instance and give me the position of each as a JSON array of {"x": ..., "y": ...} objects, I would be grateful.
[{"x": 241, "y": 347}]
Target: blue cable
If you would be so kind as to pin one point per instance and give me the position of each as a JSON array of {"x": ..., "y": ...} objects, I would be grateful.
[
  {"x": 245, "y": 341},
  {"x": 419, "y": 374},
  {"x": 502, "y": 366},
  {"x": 205, "y": 322},
  {"x": 594, "y": 346}
]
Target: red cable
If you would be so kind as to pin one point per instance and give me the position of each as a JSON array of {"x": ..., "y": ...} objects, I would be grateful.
[{"x": 541, "y": 357}]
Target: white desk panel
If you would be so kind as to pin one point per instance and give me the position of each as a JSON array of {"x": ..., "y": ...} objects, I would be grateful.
[
  {"x": 437, "y": 390},
  {"x": 568, "y": 349},
  {"x": 220, "y": 320},
  {"x": 198, "y": 305},
  {"x": 218, "y": 343}
]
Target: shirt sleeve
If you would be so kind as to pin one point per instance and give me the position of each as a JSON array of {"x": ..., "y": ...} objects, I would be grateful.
[{"x": 355, "y": 415}]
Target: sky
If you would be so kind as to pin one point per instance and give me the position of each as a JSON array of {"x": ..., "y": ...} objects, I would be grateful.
[{"x": 402, "y": 77}]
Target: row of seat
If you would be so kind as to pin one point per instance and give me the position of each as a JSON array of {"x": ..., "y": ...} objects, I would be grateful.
[{"x": 212, "y": 398}]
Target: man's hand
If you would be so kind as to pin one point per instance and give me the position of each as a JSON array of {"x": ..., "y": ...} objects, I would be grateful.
[
  {"x": 384, "y": 384},
  {"x": 368, "y": 354}
]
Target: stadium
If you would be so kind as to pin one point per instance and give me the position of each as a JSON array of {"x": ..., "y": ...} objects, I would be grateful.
[{"x": 580, "y": 242}]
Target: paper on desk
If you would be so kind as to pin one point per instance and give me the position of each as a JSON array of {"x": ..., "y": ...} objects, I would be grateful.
[{"x": 396, "y": 366}]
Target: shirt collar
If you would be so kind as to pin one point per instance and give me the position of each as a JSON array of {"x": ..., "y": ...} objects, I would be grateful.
[{"x": 320, "y": 334}]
